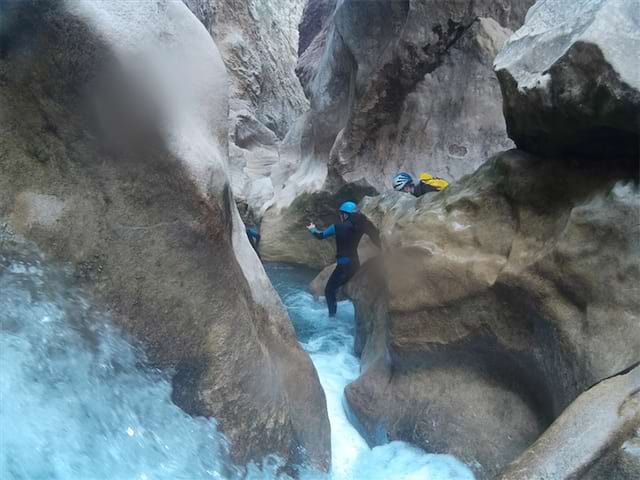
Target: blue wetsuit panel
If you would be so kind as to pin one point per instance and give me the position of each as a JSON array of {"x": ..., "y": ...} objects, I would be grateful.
[{"x": 330, "y": 231}]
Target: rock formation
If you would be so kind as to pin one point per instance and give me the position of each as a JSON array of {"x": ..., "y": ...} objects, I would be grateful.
[
  {"x": 258, "y": 40},
  {"x": 113, "y": 158},
  {"x": 503, "y": 299},
  {"x": 392, "y": 85},
  {"x": 579, "y": 94},
  {"x": 597, "y": 437}
]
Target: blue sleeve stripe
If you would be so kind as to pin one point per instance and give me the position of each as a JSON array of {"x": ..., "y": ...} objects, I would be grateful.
[{"x": 330, "y": 231}]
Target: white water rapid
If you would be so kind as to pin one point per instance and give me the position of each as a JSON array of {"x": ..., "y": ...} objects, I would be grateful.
[
  {"x": 78, "y": 403},
  {"x": 330, "y": 344}
]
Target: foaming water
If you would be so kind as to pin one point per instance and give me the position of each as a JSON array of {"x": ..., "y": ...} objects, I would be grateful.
[
  {"x": 330, "y": 344},
  {"x": 76, "y": 401},
  {"x": 79, "y": 402}
]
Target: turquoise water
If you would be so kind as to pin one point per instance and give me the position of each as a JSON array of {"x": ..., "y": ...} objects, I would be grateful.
[{"x": 78, "y": 401}]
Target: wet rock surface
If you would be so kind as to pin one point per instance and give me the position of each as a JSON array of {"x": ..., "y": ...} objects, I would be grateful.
[
  {"x": 503, "y": 299},
  {"x": 113, "y": 159},
  {"x": 507, "y": 296}
]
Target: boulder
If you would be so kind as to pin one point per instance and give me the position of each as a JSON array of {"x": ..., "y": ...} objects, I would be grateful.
[
  {"x": 319, "y": 283},
  {"x": 569, "y": 81},
  {"x": 596, "y": 437},
  {"x": 113, "y": 159},
  {"x": 500, "y": 301}
]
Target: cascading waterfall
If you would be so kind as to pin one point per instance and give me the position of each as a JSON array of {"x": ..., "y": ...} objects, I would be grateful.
[{"x": 77, "y": 401}]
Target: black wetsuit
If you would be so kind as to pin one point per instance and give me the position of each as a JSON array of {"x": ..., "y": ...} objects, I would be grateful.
[
  {"x": 348, "y": 235},
  {"x": 421, "y": 188}
]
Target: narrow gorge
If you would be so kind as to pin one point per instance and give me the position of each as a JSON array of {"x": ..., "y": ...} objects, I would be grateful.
[{"x": 495, "y": 334}]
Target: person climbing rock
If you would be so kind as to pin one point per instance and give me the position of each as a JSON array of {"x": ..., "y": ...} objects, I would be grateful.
[
  {"x": 254, "y": 239},
  {"x": 353, "y": 225},
  {"x": 403, "y": 182}
]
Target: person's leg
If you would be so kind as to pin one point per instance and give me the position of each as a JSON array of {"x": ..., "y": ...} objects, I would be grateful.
[
  {"x": 340, "y": 276},
  {"x": 331, "y": 290}
]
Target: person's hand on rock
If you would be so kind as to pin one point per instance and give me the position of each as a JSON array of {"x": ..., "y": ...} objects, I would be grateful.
[{"x": 311, "y": 226}]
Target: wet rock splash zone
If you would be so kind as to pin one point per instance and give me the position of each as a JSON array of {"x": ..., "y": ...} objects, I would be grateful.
[{"x": 114, "y": 161}]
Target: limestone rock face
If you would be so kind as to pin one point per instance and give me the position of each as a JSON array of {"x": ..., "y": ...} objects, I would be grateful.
[
  {"x": 500, "y": 301},
  {"x": 425, "y": 96},
  {"x": 113, "y": 158},
  {"x": 284, "y": 233},
  {"x": 403, "y": 85},
  {"x": 412, "y": 86},
  {"x": 314, "y": 27},
  {"x": 258, "y": 40},
  {"x": 571, "y": 81},
  {"x": 504, "y": 298},
  {"x": 611, "y": 410}
]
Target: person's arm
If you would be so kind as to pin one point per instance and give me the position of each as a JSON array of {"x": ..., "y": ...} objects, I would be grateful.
[
  {"x": 372, "y": 232},
  {"x": 322, "y": 234}
]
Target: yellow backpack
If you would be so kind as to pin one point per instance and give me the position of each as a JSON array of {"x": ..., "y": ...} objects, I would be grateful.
[{"x": 435, "y": 182}]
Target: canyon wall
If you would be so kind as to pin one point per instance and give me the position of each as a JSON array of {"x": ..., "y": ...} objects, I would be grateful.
[
  {"x": 403, "y": 85},
  {"x": 502, "y": 322},
  {"x": 114, "y": 160}
]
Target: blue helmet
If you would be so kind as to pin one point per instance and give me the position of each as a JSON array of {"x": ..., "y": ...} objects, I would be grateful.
[
  {"x": 348, "y": 207},
  {"x": 401, "y": 180}
]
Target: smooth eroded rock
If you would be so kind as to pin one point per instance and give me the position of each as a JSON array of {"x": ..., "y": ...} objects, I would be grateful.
[
  {"x": 258, "y": 40},
  {"x": 596, "y": 437},
  {"x": 113, "y": 159},
  {"x": 500, "y": 301},
  {"x": 284, "y": 231},
  {"x": 571, "y": 81}
]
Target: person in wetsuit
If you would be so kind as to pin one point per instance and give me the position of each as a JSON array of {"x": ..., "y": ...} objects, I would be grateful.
[
  {"x": 254, "y": 239},
  {"x": 348, "y": 234},
  {"x": 403, "y": 182}
]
